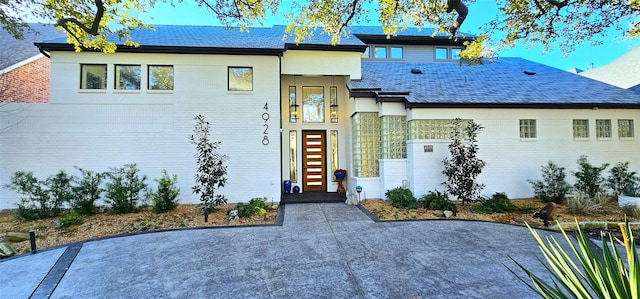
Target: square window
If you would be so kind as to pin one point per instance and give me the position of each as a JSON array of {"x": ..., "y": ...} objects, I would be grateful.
[
  {"x": 160, "y": 77},
  {"x": 93, "y": 76},
  {"x": 527, "y": 128},
  {"x": 127, "y": 77},
  {"x": 240, "y": 78},
  {"x": 396, "y": 53},
  {"x": 455, "y": 53},
  {"x": 313, "y": 104},
  {"x": 581, "y": 128},
  {"x": 603, "y": 128},
  {"x": 380, "y": 52},
  {"x": 625, "y": 128},
  {"x": 441, "y": 53}
]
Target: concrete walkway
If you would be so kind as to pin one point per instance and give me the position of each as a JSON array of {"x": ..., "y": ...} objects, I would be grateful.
[{"x": 328, "y": 250}]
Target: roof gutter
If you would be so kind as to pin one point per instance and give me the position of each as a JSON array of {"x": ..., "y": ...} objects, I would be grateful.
[{"x": 45, "y": 53}]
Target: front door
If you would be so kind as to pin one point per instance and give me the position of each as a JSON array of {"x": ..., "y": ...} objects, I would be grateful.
[{"x": 314, "y": 161}]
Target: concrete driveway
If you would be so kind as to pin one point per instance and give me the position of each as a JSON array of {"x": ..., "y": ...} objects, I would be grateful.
[{"x": 328, "y": 250}]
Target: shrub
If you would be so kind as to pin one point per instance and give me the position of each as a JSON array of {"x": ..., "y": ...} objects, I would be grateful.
[
  {"x": 70, "y": 219},
  {"x": 401, "y": 198},
  {"x": 552, "y": 187},
  {"x": 621, "y": 180},
  {"x": 211, "y": 173},
  {"x": 583, "y": 204},
  {"x": 464, "y": 166},
  {"x": 434, "y": 200},
  {"x": 60, "y": 189},
  {"x": 123, "y": 190},
  {"x": 36, "y": 201},
  {"x": 164, "y": 199},
  {"x": 498, "y": 203},
  {"x": 589, "y": 178},
  {"x": 631, "y": 211},
  {"x": 86, "y": 191},
  {"x": 254, "y": 206}
]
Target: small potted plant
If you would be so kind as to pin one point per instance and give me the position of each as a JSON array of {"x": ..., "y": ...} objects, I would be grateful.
[{"x": 340, "y": 174}]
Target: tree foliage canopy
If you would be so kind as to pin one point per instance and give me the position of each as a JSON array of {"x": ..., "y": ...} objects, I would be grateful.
[{"x": 89, "y": 23}]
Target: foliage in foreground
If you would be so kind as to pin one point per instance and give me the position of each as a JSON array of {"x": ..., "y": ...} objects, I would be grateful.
[
  {"x": 606, "y": 276},
  {"x": 553, "y": 186},
  {"x": 401, "y": 198}
]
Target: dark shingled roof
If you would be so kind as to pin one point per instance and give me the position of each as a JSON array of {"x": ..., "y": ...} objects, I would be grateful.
[
  {"x": 501, "y": 83},
  {"x": 13, "y": 51},
  {"x": 211, "y": 39}
]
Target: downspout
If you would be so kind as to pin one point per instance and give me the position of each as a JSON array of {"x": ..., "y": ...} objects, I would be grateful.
[{"x": 281, "y": 138}]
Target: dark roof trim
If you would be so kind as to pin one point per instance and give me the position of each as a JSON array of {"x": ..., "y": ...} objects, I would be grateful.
[
  {"x": 412, "y": 40},
  {"x": 170, "y": 49},
  {"x": 347, "y": 48},
  {"x": 363, "y": 93},
  {"x": 594, "y": 106}
]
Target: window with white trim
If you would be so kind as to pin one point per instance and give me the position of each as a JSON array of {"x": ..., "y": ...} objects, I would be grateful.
[
  {"x": 580, "y": 128},
  {"x": 528, "y": 128},
  {"x": 625, "y": 128},
  {"x": 603, "y": 128}
]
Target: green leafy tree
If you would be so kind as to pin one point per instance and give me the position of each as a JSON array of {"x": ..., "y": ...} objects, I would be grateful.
[
  {"x": 124, "y": 188},
  {"x": 553, "y": 187},
  {"x": 589, "y": 178},
  {"x": 89, "y": 23},
  {"x": 212, "y": 172},
  {"x": 463, "y": 167},
  {"x": 622, "y": 180}
]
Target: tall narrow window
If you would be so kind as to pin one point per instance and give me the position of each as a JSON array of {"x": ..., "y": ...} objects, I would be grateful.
[
  {"x": 581, "y": 128},
  {"x": 293, "y": 140},
  {"x": 528, "y": 128},
  {"x": 334, "y": 151},
  {"x": 333, "y": 103},
  {"x": 160, "y": 77},
  {"x": 625, "y": 128},
  {"x": 128, "y": 77},
  {"x": 313, "y": 104},
  {"x": 293, "y": 105},
  {"x": 603, "y": 128},
  {"x": 394, "y": 137},
  {"x": 366, "y": 144},
  {"x": 93, "y": 76},
  {"x": 240, "y": 79}
]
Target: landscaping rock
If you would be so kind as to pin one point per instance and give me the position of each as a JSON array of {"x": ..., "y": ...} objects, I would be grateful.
[
  {"x": 448, "y": 214},
  {"x": 6, "y": 250},
  {"x": 17, "y": 237}
]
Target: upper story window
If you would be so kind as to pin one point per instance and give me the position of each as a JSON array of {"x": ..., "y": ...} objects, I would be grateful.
[
  {"x": 93, "y": 76},
  {"x": 160, "y": 77},
  {"x": 384, "y": 52},
  {"x": 447, "y": 53},
  {"x": 625, "y": 128},
  {"x": 240, "y": 79},
  {"x": 528, "y": 128},
  {"x": 127, "y": 77},
  {"x": 581, "y": 128},
  {"x": 603, "y": 128},
  {"x": 380, "y": 52}
]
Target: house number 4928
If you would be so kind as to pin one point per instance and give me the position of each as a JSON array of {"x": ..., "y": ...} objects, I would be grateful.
[{"x": 265, "y": 117}]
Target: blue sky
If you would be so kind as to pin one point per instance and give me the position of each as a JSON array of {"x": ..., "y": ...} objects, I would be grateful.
[{"x": 187, "y": 13}]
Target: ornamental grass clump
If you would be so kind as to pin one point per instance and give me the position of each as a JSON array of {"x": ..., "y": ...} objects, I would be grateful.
[{"x": 606, "y": 275}]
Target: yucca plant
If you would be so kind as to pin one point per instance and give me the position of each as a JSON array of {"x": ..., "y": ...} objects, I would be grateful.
[{"x": 594, "y": 276}]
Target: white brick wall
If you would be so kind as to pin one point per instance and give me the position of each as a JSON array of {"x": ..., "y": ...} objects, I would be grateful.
[{"x": 98, "y": 130}]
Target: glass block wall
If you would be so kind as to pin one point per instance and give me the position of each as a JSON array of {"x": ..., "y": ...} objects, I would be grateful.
[
  {"x": 394, "y": 137},
  {"x": 366, "y": 144}
]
